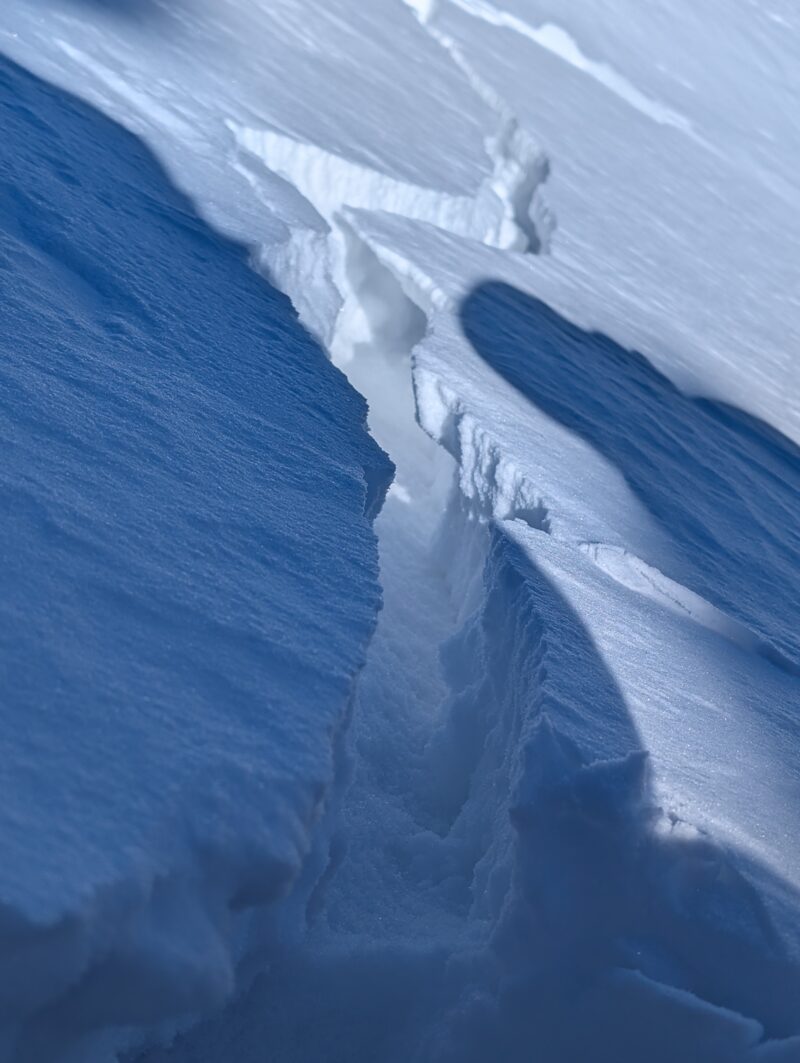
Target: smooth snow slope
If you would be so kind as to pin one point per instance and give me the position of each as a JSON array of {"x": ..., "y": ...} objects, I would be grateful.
[
  {"x": 562, "y": 238},
  {"x": 189, "y": 585}
]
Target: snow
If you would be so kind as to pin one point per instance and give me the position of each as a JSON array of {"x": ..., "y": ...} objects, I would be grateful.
[
  {"x": 190, "y": 582},
  {"x": 554, "y": 248},
  {"x": 685, "y": 243},
  {"x": 558, "y": 41}
]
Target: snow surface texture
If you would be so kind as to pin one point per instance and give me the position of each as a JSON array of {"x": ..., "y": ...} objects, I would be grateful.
[
  {"x": 190, "y": 582},
  {"x": 554, "y": 246}
]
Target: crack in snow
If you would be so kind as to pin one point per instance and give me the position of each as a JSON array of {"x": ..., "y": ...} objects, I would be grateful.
[
  {"x": 521, "y": 167},
  {"x": 560, "y": 43},
  {"x": 464, "y": 788}
]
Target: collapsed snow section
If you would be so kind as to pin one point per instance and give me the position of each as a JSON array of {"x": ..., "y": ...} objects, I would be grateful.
[
  {"x": 506, "y": 211},
  {"x": 190, "y": 582}
]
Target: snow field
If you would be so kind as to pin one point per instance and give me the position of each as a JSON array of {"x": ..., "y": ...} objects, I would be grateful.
[{"x": 571, "y": 823}]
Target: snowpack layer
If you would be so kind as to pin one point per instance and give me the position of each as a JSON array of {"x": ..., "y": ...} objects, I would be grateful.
[{"x": 190, "y": 582}]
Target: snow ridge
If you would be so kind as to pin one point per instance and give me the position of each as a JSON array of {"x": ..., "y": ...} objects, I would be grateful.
[
  {"x": 632, "y": 572},
  {"x": 172, "y": 732},
  {"x": 496, "y": 215}
]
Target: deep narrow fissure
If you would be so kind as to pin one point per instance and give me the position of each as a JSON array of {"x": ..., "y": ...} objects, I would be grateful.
[
  {"x": 393, "y": 914},
  {"x": 394, "y": 908}
]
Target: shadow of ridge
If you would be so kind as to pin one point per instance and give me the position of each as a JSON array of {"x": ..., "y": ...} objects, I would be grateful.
[
  {"x": 612, "y": 917},
  {"x": 724, "y": 486}
]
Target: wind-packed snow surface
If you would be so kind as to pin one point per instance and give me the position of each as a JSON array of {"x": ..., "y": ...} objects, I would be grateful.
[
  {"x": 554, "y": 247},
  {"x": 190, "y": 581}
]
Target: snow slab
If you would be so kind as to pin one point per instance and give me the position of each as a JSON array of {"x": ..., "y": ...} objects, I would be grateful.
[{"x": 190, "y": 583}]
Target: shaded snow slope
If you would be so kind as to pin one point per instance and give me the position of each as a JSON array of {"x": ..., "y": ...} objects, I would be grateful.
[{"x": 190, "y": 582}]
